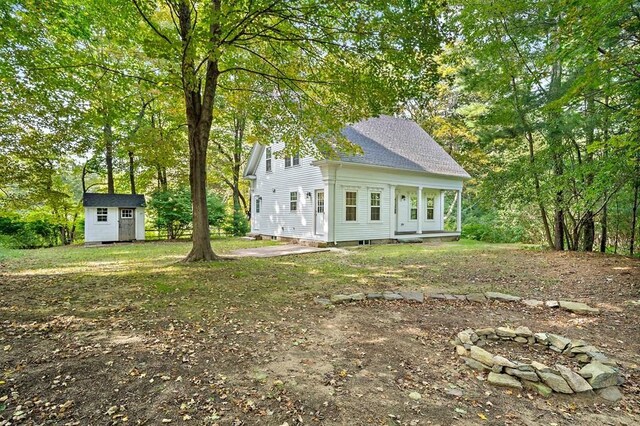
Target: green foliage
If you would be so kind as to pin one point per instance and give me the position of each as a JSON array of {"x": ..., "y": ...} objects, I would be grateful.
[
  {"x": 27, "y": 234},
  {"x": 237, "y": 225},
  {"x": 173, "y": 211}
]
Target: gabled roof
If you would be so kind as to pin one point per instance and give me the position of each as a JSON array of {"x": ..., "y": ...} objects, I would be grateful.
[
  {"x": 389, "y": 142},
  {"x": 401, "y": 144},
  {"x": 113, "y": 200}
]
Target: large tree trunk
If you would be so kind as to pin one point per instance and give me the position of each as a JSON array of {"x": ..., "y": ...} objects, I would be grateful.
[
  {"x": 132, "y": 176},
  {"x": 634, "y": 215},
  {"x": 199, "y": 112},
  {"x": 603, "y": 224},
  {"x": 108, "y": 145},
  {"x": 588, "y": 231}
]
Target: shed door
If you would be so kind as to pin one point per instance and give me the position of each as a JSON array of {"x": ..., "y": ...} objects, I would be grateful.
[
  {"x": 319, "y": 222},
  {"x": 127, "y": 225}
]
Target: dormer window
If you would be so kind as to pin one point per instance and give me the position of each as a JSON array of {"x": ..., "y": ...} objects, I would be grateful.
[
  {"x": 267, "y": 163},
  {"x": 292, "y": 160}
]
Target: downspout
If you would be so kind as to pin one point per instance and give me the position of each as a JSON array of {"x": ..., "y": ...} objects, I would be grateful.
[{"x": 333, "y": 202}]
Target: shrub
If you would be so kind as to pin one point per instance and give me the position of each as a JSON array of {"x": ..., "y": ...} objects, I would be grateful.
[{"x": 238, "y": 225}]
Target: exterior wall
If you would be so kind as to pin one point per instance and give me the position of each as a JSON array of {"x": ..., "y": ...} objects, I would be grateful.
[
  {"x": 139, "y": 215},
  {"x": 275, "y": 217},
  {"x": 274, "y": 188},
  {"x": 95, "y": 231},
  {"x": 390, "y": 183}
]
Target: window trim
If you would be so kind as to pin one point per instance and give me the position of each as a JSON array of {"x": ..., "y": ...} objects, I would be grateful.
[
  {"x": 291, "y": 161},
  {"x": 372, "y": 206},
  {"x": 268, "y": 165},
  {"x": 293, "y": 201},
  {"x": 258, "y": 204},
  {"x": 318, "y": 206},
  {"x": 413, "y": 197},
  {"x": 347, "y": 206},
  {"x": 104, "y": 213},
  {"x": 427, "y": 208},
  {"x": 287, "y": 162}
]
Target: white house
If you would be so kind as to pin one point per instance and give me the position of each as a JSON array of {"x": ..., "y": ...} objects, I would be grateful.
[
  {"x": 113, "y": 217},
  {"x": 394, "y": 191}
]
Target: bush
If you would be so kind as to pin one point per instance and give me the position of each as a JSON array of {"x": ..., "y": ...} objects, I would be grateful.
[
  {"x": 238, "y": 225},
  {"x": 173, "y": 211},
  {"x": 24, "y": 234}
]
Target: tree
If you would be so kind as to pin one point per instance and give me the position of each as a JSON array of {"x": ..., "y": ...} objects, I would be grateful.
[{"x": 325, "y": 63}]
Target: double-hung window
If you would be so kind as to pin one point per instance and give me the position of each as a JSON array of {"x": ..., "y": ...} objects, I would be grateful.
[
  {"x": 351, "y": 209},
  {"x": 258, "y": 204},
  {"x": 414, "y": 207},
  {"x": 102, "y": 214},
  {"x": 375, "y": 206},
  {"x": 430, "y": 207},
  {"x": 268, "y": 160},
  {"x": 293, "y": 201},
  {"x": 292, "y": 160}
]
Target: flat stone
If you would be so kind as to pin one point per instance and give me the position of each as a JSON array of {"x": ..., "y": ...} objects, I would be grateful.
[
  {"x": 611, "y": 394},
  {"x": 533, "y": 303},
  {"x": 476, "y": 297},
  {"x": 460, "y": 296},
  {"x": 502, "y": 361},
  {"x": 541, "y": 338},
  {"x": 582, "y": 349},
  {"x": 552, "y": 304},
  {"x": 413, "y": 296},
  {"x": 523, "y": 331},
  {"x": 357, "y": 296},
  {"x": 504, "y": 380},
  {"x": 374, "y": 296},
  {"x": 555, "y": 382},
  {"x": 442, "y": 296},
  {"x": 578, "y": 307},
  {"x": 415, "y": 396},
  {"x": 524, "y": 367},
  {"x": 475, "y": 365},
  {"x": 539, "y": 387},
  {"x": 481, "y": 355},
  {"x": 454, "y": 392},
  {"x": 389, "y": 295},
  {"x": 526, "y": 375},
  {"x": 497, "y": 368},
  {"x": 461, "y": 350},
  {"x": 559, "y": 342},
  {"x": 322, "y": 301},
  {"x": 599, "y": 375},
  {"x": 583, "y": 358},
  {"x": 340, "y": 298},
  {"x": 503, "y": 297},
  {"x": 577, "y": 383},
  {"x": 466, "y": 336},
  {"x": 485, "y": 331},
  {"x": 505, "y": 332},
  {"x": 602, "y": 358},
  {"x": 521, "y": 339}
]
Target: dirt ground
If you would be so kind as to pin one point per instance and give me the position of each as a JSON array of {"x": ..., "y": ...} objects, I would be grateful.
[{"x": 297, "y": 362}]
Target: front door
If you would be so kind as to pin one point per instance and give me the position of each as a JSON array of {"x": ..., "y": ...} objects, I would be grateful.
[
  {"x": 319, "y": 222},
  {"x": 127, "y": 225},
  {"x": 402, "y": 212}
]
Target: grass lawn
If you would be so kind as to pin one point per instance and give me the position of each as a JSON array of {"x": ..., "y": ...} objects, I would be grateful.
[{"x": 128, "y": 334}]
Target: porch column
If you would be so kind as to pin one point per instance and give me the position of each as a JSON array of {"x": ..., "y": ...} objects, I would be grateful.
[
  {"x": 392, "y": 216},
  {"x": 459, "y": 218},
  {"x": 420, "y": 210}
]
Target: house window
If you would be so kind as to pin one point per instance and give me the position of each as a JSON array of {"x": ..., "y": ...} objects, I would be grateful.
[
  {"x": 268, "y": 159},
  {"x": 126, "y": 213},
  {"x": 320, "y": 202},
  {"x": 293, "y": 201},
  {"x": 258, "y": 204},
  {"x": 375, "y": 206},
  {"x": 430, "y": 208},
  {"x": 414, "y": 207},
  {"x": 102, "y": 214},
  {"x": 351, "y": 206},
  {"x": 289, "y": 160}
]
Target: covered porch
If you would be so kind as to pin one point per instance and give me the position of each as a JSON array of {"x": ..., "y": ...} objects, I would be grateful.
[{"x": 425, "y": 212}]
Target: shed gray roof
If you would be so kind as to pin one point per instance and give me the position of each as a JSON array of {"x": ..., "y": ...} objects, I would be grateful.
[
  {"x": 401, "y": 144},
  {"x": 113, "y": 200}
]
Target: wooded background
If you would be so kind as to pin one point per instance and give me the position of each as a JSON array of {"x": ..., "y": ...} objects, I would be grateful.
[{"x": 538, "y": 99}]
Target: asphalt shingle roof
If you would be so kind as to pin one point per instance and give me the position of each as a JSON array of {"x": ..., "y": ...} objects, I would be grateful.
[
  {"x": 401, "y": 144},
  {"x": 113, "y": 200}
]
